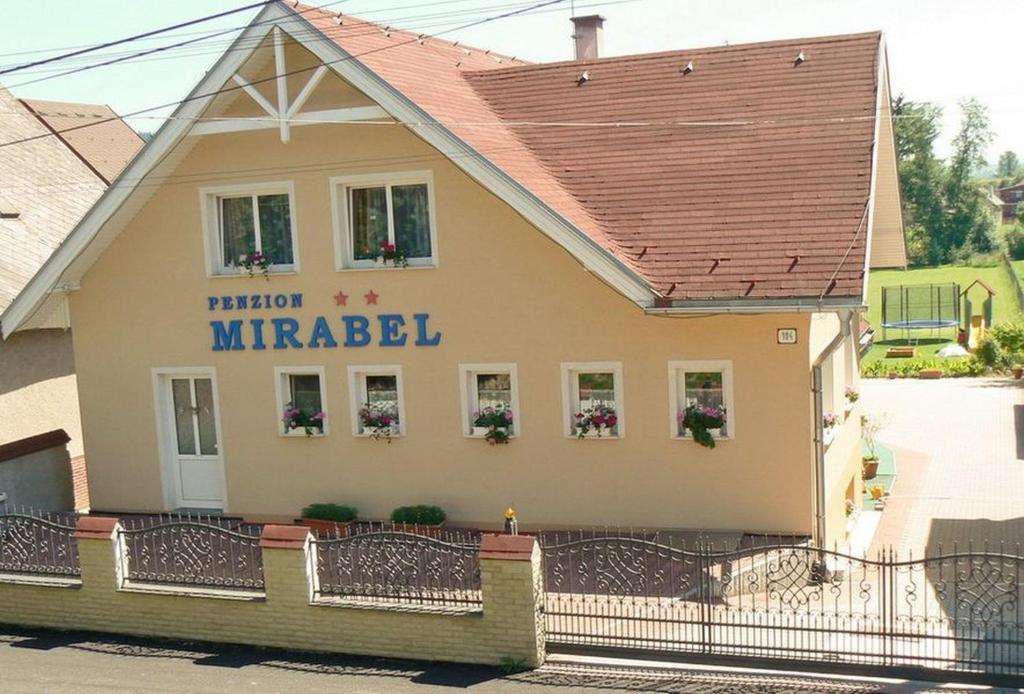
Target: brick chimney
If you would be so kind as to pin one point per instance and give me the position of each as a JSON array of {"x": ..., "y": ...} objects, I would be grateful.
[{"x": 587, "y": 36}]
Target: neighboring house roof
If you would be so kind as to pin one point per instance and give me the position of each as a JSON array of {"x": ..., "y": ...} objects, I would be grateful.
[
  {"x": 748, "y": 177},
  {"x": 105, "y": 147},
  {"x": 45, "y": 189},
  {"x": 746, "y": 184}
]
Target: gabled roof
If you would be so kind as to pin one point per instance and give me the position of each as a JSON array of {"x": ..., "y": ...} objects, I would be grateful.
[
  {"x": 44, "y": 190},
  {"x": 747, "y": 178},
  {"x": 105, "y": 147},
  {"x": 744, "y": 185}
]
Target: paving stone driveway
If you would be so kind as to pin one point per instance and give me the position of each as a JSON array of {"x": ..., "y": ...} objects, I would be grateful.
[{"x": 960, "y": 461}]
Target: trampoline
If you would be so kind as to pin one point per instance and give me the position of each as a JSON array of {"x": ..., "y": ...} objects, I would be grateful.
[{"x": 920, "y": 307}]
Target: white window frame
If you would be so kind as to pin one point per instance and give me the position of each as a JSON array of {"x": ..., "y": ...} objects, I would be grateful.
[
  {"x": 470, "y": 396},
  {"x": 571, "y": 395},
  {"x": 209, "y": 199},
  {"x": 675, "y": 369},
  {"x": 344, "y": 257},
  {"x": 282, "y": 389},
  {"x": 357, "y": 374}
]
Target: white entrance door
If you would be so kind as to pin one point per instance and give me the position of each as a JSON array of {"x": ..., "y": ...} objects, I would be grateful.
[{"x": 194, "y": 441}]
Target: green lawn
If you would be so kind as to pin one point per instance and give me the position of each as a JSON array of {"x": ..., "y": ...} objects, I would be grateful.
[{"x": 928, "y": 342}]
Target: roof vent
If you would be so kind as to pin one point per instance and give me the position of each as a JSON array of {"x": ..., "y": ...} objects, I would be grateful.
[
  {"x": 800, "y": 58},
  {"x": 583, "y": 78},
  {"x": 587, "y": 36},
  {"x": 688, "y": 68}
]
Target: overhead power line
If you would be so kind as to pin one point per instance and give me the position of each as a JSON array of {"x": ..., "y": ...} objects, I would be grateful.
[
  {"x": 136, "y": 37},
  {"x": 315, "y": 66}
]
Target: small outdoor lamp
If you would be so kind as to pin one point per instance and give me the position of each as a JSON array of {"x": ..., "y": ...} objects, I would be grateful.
[{"x": 511, "y": 523}]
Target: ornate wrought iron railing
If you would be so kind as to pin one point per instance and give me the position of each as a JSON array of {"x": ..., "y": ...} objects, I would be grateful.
[
  {"x": 205, "y": 552},
  {"x": 398, "y": 566},
  {"x": 769, "y": 600},
  {"x": 38, "y": 544}
]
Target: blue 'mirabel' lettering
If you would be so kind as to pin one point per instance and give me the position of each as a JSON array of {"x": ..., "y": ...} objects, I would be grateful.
[
  {"x": 284, "y": 331},
  {"x": 390, "y": 330},
  {"x": 421, "y": 331},
  {"x": 227, "y": 337},
  {"x": 322, "y": 333},
  {"x": 257, "y": 333},
  {"x": 356, "y": 331}
]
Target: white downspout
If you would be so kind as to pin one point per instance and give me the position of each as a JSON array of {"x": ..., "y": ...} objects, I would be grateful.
[{"x": 845, "y": 329}]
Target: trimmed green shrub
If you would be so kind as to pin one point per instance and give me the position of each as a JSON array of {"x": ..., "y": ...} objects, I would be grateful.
[
  {"x": 1009, "y": 336},
  {"x": 989, "y": 352},
  {"x": 910, "y": 368},
  {"x": 418, "y": 515},
  {"x": 339, "y": 513}
]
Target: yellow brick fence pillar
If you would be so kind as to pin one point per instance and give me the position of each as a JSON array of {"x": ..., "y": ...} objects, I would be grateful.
[
  {"x": 512, "y": 586},
  {"x": 102, "y": 562}
]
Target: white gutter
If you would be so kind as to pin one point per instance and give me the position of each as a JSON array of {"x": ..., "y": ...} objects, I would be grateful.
[{"x": 752, "y": 307}]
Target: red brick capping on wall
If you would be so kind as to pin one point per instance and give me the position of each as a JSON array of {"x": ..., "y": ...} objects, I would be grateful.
[
  {"x": 33, "y": 444},
  {"x": 284, "y": 536},
  {"x": 95, "y": 528},
  {"x": 508, "y": 547},
  {"x": 80, "y": 483}
]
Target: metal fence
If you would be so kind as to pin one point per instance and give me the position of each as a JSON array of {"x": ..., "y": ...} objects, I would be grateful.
[
  {"x": 400, "y": 566},
  {"x": 38, "y": 544},
  {"x": 956, "y": 611},
  {"x": 207, "y": 552}
]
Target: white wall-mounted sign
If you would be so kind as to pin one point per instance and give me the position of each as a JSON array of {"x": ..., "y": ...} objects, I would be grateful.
[{"x": 787, "y": 336}]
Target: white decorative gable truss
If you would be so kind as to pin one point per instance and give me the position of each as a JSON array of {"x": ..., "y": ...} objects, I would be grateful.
[{"x": 283, "y": 115}]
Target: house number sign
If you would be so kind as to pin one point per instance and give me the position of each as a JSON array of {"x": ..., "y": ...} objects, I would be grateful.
[
  {"x": 287, "y": 332},
  {"x": 787, "y": 336}
]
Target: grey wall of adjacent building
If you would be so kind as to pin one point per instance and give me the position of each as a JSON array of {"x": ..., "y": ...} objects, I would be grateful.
[
  {"x": 36, "y": 473},
  {"x": 38, "y": 388}
]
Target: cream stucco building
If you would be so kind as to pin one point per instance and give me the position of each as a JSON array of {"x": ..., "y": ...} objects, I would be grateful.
[{"x": 551, "y": 271}]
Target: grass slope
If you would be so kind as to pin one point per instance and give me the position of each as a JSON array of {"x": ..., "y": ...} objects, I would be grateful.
[{"x": 928, "y": 342}]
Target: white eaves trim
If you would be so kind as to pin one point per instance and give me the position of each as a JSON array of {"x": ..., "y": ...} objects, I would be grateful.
[{"x": 590, "y": 254}]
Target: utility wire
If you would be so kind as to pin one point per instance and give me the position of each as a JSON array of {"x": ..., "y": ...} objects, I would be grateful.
[
  {"x": 136, "y": 37},
  {"x": 318, "y": 64}
]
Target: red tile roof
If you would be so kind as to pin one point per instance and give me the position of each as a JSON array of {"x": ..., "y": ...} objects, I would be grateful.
[{"x": 748, "y": 177}]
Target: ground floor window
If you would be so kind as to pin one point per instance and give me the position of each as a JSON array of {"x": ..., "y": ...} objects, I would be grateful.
[
  {"x": 300, "y": 400},
  {"x": 377, "y": 402},
  {"x": 702, "y": 384},
  {"x": 592, "y": 399},
  {"x": 489, "y": 398}
]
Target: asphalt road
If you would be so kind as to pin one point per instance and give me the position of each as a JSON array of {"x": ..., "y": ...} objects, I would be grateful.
[{"x": 41, "y": 662}]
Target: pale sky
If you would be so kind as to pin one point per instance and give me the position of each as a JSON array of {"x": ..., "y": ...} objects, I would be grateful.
[{"x": 939, "y": 50}]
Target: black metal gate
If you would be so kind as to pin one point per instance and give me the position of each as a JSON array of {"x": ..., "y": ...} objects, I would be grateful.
[{"x": 781, "y": 602}]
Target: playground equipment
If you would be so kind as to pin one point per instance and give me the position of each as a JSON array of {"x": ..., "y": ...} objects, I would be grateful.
[
  {"x": 921, "y": 307},
  {"x": 977, "y": 325}
]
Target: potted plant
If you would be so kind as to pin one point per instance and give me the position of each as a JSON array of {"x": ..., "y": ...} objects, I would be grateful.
[
  {"x": 493, "y": 424},
  {"x": 421, "y": 519},
  {"x": 703, "y": 423},
  {"x": 294, "y": 418},
  {"x": 1018, "y": 371},
  {"x": 596, "y": 421},
  {"x": 877, "y": 491},
  {"x": 251, "y": 263},
  {"x": 828, "y": 427},
  {"x": 852, "y": 396},
  {"x": 870, "y": 426},
  {"x": 379, "y": 421},
  {"x": 389, "y": 255},
  {"x": 328, "y": 518}
]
